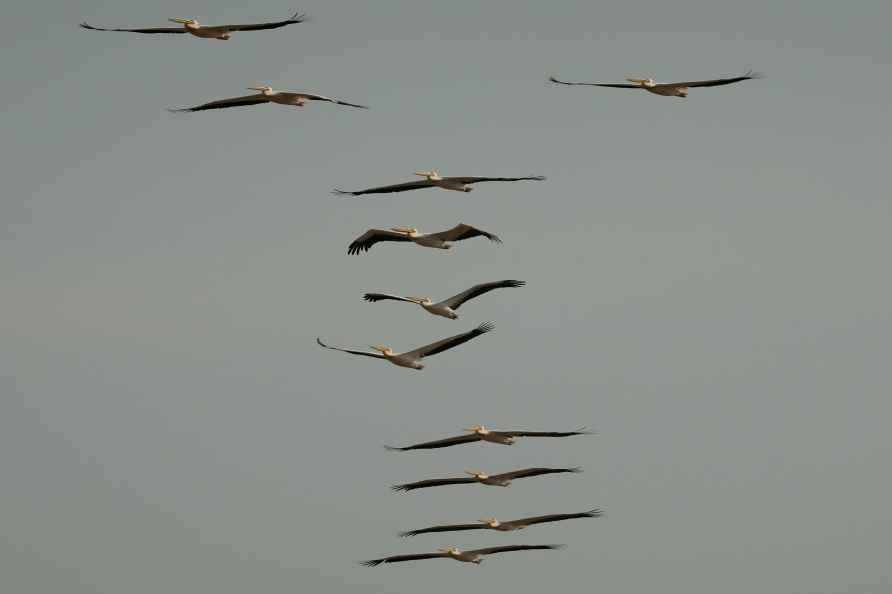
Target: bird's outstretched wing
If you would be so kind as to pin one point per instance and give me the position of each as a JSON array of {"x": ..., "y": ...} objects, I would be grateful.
[
  {"x": 474, "y": 180},
  {"x": 580, "y": 431},
  {"x": 448, "y": 528},
  {"x": 717, "y": 82},
  {"x": 313, "y": 97},
  {"x": 462, "y": 231},
  {"x": 375, "y": 297},
  {"x": 456, "y": 301},
  {"x": 373, "y": 236},
  {"x": 398, "y": 558},
  {"x": 586, "y": 84},
  {"x": 508, "y": 548},
  {"x": 224, "y": 103},
  {"x": 174, "y": 30},
  {"x": 452, "y": 341},
  {"x": 292, "y": 20},
  {"x": 352, "y": 352},
  {"x": 440, "y": 443},
  {"x": 412, "y": 185},
  {"x": 527, "y": 472},
  {"x": 433, "y": 483},
  {"x": 594, "y": 513}
]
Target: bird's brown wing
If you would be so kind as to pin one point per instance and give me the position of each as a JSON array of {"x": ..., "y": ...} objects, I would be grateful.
[
  {"x": 585, "y": 84},
  {"x": 293, "y": 19},
  {"x": 527, "y": 472},
  {"x": 412, "y": 185},
  {"x": 462, "y": 231},
  {"x": 224, "y": 103},
  {"x": 433, "y": 483},
  {"x": 440, "y": 443},
  {"x": 580, "y": 431},
  {"x": 150, "y": 30},
  {"x": 313, "y": 97},
  {"x": 595, "y": 513},
  {"x": 450, "y": 528},
  {"x": 508, "y": 548},
  {"x": 398, "y": 558},
  {"x": 452, "y": 341},
  {"x": 474, "y": 180},
  {"x": 352, "y": 352},
  {"x": 456, "y": 301},
  {"x": 373, "y": 236},
  {"x": 717, "y": 82}
]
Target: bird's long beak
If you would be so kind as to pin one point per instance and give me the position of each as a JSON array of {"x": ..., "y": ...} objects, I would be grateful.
[
  {"x": 256, "y": 88},
  {"x": 639, "y": 81},
  {"x": 180, "y": 21},
  {"x": 378, "y": 348},
  {"x": 472, "y": 473}
]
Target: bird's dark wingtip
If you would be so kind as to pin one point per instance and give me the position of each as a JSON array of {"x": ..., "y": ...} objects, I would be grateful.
[
  {"x": 486, "y": 327},
  {"x": 394, "y": 449},
  {"x": 371, "y": 563},
  {"x": 595, "y": 513}
]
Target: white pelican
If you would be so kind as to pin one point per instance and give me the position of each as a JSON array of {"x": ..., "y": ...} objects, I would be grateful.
[
  {"x": 507, "y": 526},
  {"x": 433, "y": 179},
  {"x": 494, "y": 480},
  {"x": 481, "y": 433},
  {"x": 447, "y": 307},
  {"x": 193, "y": 27},
  {"x": 439, "y": 240},
  {"x": 412, "y": 359},
  {"x": 266, "y": 95},
  {"x": 472, "y": 556},
  {"x": 676, "y": 89}
]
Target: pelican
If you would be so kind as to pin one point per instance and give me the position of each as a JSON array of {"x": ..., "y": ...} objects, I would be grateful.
[
  {"x": 433, "y": 179},
  {"x": 266, "y": 95},
  {"x": 481, "y": 433},
  {"x": 441, "y": 240},
  {"x": 447, "y": 307},
  {"x": 477, "y": 476},
  {"x": 412, "y": 359},
  {"x": 193, "y": 27},
  {"x": 507, "y": 526},
  {"x": 472, "y": 556},
  {"x": 676, "y": 89}
]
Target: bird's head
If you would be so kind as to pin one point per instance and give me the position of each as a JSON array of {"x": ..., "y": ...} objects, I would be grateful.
[
  {"x": 491, "y": 522},
  {"x": 478, "y": 429},
  {"x": 265, "y": 89},
  {"x": 644, "y": 82},
  {"x": 422, "y": 300},
  {"x": 477, "y": 474},
  {"x": 189, "y": 23},
  {"x": 410, "y": 231},
  {"x": 450, "y": 551},
  {"x": 433, "y": 174},
  {"x": 384, "y": 350}
]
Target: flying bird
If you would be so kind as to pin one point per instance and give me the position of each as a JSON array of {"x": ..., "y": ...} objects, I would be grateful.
[
  {"x": 412, "y": 359},
  {"x": 441, "y": 240},
  {"x": 495, "y": 480},
  {"x": 507, "y": 526},
  {"x": 676, "y": 89},
  {"x": 267, "y": 95},
  {"x": 472, "y": 556},
  {"x": 193, "y": 27},
  {"x": 447, "y": 307},
  {"x": 481, "y": 433},
  {"x": 433, "y": 179}
]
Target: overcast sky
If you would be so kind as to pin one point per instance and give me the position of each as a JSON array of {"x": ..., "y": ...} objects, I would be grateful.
[{"x": 708, "y": 288}]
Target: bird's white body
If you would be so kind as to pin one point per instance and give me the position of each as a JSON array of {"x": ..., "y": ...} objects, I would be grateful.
[
  {"x": 663, "y": 89},
  {"x": 193, "y": 27},
  {"x": 492, "y": 437},
  {"x": 409, "y": 359},
  {"x": 466, "y": 557},
  {"x": 436, "y": 179},
  {"x": 485, "y": 479}
]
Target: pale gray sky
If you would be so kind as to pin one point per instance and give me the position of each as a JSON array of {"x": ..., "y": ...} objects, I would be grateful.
[{"x": 708, "y": 278}]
